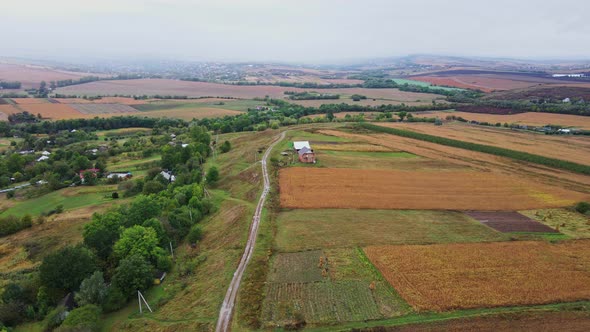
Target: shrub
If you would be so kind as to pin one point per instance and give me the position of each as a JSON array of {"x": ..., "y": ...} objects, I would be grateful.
[
  {"x": 582, "y": 207},
  {"x": 164, "y": 263},
  {"x": 54, "y": 318},
  {"x": 10, "y": 194},
  {"x": 115, "y": 195},
  {"x": 212, "y": 175},
  {"x": 225, "y": 147},
  {"x": 195, "y": 234},
  {"x": 114, "y": 300},
  {"x": 85, "y": 318}
]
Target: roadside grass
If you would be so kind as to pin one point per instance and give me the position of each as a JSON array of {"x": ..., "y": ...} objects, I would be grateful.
[
  {"x": 426, "y": 317},
  {"x": 191, "y": 295},
  {"x": 304, "y": 229},
  {"x": 70, "y": 198}
]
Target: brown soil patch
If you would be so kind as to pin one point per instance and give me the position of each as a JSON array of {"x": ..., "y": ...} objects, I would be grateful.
[
  {"x": 458, "y": 276},
  {"x": 509, "y": 222},
  {"x": 393, "y": 189}
]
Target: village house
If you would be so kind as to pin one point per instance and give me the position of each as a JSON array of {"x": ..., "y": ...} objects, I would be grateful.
[
  {"x": 94, "y": 172},
  {"x": 305, "y": 152},
  {"x": 42, "y": 158},
  {"x": 120, "y": 175},
  {"x": 168, "y": 176}
]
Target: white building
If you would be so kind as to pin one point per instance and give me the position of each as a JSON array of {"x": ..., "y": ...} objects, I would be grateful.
[
  {"x": 298, "y": 145},
  {"x": 42, "y": 158}
]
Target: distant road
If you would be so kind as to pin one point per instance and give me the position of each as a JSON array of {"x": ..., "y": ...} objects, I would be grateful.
[
  {"x": 14, "y": 188},
  {"x": 225, "y": 314}
]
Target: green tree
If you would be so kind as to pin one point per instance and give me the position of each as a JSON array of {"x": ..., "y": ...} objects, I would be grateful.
[
  {"x": 582, "y": 207},
  {"x": 137, "y": 240},
  {"x": 212, "y": 175},
  {"x": 142, "y": 209},
  {"x": 93, "y": 290},
  {"x": 102, "y": 233},
  {"x": 152, "y": 187},
  {"x": 66, "y": 268},
  {"x": 402, "y": 115},
  {"x": 195, "y": 234},
  {"x": 133, "y": 273}
]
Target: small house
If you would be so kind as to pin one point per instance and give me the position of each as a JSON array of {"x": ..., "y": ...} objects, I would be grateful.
[
  {"x": 42, "y": 158},
  {"x": 306, "y": 155},
  {"x": 168, "y": 176},
  {"x": 46, "y": 153},
  {"x": 298, "y": 145}
]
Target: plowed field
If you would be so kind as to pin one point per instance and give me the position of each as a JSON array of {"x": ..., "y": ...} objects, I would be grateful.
[
  {"x": 453, "y": 276},
  {"x": 312, "y": 188}
]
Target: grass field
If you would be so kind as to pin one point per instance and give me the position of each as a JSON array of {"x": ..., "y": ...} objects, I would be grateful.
[
  {"x": 423, "y": 83},
  {"x": 99, "y": 109},
  {"x": 455, "y": 276},
  {"x": 308, "y": 287},
  {"x": 338, "y": 228},
  {"x": 70, "y": 198},
  {"x": 528, "y": 118},
  {"x": 393, "y": 189}
]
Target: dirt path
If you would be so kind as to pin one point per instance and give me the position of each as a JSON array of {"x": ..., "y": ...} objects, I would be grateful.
[{"x": 225, "y": 314}]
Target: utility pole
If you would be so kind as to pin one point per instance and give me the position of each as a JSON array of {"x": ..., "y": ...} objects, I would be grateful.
[
  {"x": 172, "y": 250},
  {"x": 140, "y": 298}
]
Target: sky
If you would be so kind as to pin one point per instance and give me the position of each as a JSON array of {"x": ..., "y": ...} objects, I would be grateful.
[{"x": 295, "y": 30}]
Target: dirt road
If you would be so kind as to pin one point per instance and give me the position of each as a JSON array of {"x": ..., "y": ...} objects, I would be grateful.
[{"x": 225, "y": 314}]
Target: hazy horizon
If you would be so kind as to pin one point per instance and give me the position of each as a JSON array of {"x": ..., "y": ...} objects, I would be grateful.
[{"x": 303, "y": 31}]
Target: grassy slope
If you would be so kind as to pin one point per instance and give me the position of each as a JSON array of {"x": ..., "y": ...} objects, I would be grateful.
[{"x": 192, "y": 302}]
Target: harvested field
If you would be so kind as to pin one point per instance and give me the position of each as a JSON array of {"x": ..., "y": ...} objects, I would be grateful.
[
  {"x": 97, "y": 109},
  {"x": 568, "y": 222},
  {"x": 457, "y": 276},
  {"x": 189, "y": 114},
  {"x": 338, "y": 228},
  {"x": 571, "y": 148},
  {"x": 52, "y": 111},
  {"x": 31, "y": 76},
  {"x": 474, "y": 160},
  {"x": 320, "y": 291},
  {"x": 6, "y": 110},
  {"x": 547, "y": 92},
  {"x": 29, "y": 101},
  {"x": 528, "y": 118},
  {"x": 312, "y": 188},
  {"x": 379, "y": 160},
  {"x": 203, "y": 89},
  {"x": 505, "y": 322},
  {"x": 506, "y": 222}
]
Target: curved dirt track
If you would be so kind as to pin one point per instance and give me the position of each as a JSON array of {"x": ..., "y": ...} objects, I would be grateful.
[{"x": 225, "y": 314}]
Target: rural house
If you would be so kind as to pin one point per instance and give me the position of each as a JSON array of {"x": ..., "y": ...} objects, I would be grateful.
[
  {"x": 94, "y": 172},
  {"x": 168, "y": 176},
  {"x": 305, "y": 152}
]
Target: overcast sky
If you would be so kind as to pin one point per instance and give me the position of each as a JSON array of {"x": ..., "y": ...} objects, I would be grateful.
[{"x": 294, "y": 30}]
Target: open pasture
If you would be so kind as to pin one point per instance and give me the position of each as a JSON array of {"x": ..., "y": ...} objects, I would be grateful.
[
  {"x": 529, "y": 118},
  {"x": 98, "y": 109},
  {"x": 375, "y": 160},
  {"x": 306, "y": 229},
  {"x": 312, "y": 188},
  {"x": 458, "y": 276},
  {"x": 571, "y": 148},
  {"x": 506, "y": 222},
  {"x": 357, "y": 147}
]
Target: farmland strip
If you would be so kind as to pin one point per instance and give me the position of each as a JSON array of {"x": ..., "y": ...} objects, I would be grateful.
[{"x": 518, "y": 155}]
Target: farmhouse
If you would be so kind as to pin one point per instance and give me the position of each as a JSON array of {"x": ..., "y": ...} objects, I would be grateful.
[
  {"x": 94, "y": 172},
  {"x": 305, "y": 152},
  {"x": 120, "y": 175},
  {"x": 42, "y": 158}
]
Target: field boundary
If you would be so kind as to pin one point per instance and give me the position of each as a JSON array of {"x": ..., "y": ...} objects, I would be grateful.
[{"x": 513, "y": 154}]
